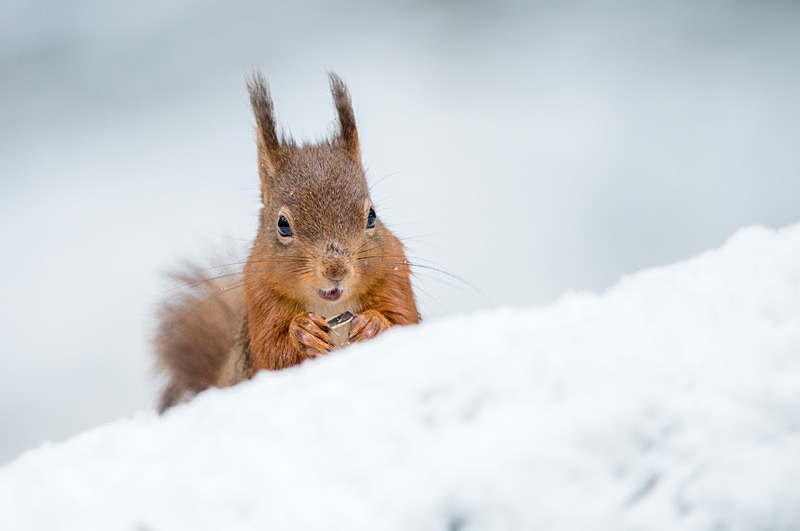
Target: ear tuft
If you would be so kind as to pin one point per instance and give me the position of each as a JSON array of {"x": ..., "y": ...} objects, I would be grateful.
[
  {"x": 348, "y": 134},
  {"x": 267, "y": 138}
]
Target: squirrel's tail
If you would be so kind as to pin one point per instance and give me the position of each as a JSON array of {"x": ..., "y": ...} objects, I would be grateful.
[{"x": 197, "y": 333}]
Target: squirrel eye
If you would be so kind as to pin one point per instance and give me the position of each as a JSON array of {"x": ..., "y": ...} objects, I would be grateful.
[
  {"x": 371, "y": 218},
  {"x": 284, "y": 229}
]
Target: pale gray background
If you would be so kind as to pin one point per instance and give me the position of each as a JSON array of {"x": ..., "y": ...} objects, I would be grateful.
[{"x": 534, "y": 147}]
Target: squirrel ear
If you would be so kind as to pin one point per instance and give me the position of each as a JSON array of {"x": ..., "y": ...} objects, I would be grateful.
[
  {"x": 267, "y": 139},
  {"x": 348, "y": 133}
]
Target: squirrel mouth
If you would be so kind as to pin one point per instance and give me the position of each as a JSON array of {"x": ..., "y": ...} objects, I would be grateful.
[{"x": 330, "y": 295}]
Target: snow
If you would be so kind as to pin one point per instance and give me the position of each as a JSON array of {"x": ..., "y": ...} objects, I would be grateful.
[{"x": 671, "y": 401}]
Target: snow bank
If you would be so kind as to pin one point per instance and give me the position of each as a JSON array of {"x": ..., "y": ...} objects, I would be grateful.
[{"x": 670, "y": 402}]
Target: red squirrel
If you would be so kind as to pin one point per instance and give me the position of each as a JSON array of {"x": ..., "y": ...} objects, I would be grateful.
[{"x": 320, "y": 250}]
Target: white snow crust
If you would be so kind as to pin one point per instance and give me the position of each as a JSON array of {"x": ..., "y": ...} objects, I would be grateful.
[{"x": 672, "y": 401}]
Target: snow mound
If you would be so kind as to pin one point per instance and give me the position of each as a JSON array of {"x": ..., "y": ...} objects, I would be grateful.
[{"x": 672, "y": 401}]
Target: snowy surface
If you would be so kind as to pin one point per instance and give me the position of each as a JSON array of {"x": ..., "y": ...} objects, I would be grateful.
[{"x": 672, "y": 401}]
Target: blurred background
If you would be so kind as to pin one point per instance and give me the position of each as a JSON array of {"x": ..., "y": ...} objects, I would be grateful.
[{"x": 530, "y": 148}]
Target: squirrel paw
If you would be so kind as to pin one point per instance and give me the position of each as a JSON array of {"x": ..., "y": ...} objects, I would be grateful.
[
  {"x": 367, "y": 325},
  {"x": 311, "y": 334}
]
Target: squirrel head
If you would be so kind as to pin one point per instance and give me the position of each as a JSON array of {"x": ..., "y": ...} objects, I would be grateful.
[{"x": 318, "y": 229}]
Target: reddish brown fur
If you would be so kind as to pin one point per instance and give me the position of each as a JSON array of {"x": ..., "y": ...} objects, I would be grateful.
[
  {"x": 195, "y": 327},
  {"x": 207, "y": 339}
]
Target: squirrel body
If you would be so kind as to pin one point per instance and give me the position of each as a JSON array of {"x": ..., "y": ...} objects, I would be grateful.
[{"x": 320, "y": 250}]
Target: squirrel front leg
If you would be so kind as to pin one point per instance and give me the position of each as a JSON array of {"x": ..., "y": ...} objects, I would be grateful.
[
  {"x": 367, "y": 325},
  {"x": 311, "y": 334}
]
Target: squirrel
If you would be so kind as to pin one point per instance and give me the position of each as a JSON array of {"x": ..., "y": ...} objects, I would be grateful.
[{"x": 320, "y": 250}]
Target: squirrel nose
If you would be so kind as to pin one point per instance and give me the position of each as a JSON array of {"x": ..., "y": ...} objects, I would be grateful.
[
  {"x": 335, "y": 272},
  {"x": 335, "y": 266},
  {"x": 335, "y": 269},
  {"x": 334, "y": 278}
]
